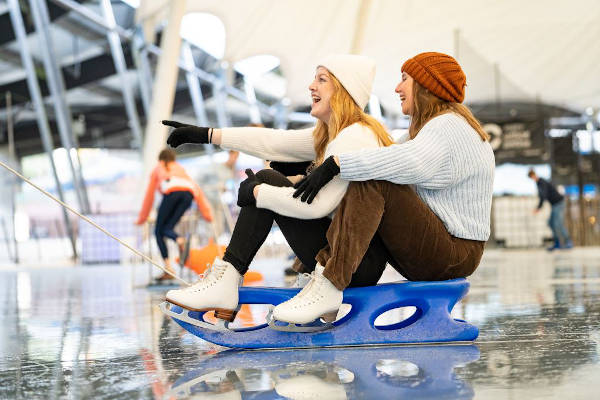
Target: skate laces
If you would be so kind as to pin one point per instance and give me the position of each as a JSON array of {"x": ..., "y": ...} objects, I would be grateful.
[
  {"x": 302, "y": 279},
  {"x": 311, "y": 289},
  {"x": 314, "y": 277},
  {"x": 213, "y": 273}
]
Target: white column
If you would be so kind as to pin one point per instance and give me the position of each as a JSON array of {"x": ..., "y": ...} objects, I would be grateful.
[{"x": 163, "y": 90}]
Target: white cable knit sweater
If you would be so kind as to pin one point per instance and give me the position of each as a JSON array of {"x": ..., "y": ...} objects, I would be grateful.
[
  {"x": 451, "y": 168},
  {"x": 279, "y": 199}
]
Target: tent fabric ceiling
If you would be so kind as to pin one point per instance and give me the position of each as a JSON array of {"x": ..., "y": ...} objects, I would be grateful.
[{"x": 510, "y": 49}]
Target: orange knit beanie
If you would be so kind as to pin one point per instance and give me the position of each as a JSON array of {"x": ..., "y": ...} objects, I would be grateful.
[{"x": 439, "y": 73}]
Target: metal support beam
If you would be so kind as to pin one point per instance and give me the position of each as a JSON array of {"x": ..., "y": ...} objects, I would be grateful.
[
  {"x": 36, "y": 97},
  {"x": 220, "y": 95},
  {"x": 116, "y": 50},
  {"x": 253, "y": 110},
  {"x": 281, "y": 114},
  {"x": 92, "y": 17},
  {"x": 56, "y": 84},
  {"x": 196, "y": 94},
  {"x": 144, "y": 71},
  {"x": 219, "y": 84},
  {"x": 194, "y": 84},
  {"x": 150, "y": 48},
  {"x": 12, "y": 156}
]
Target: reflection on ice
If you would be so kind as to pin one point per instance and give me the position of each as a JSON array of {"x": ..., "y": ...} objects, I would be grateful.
[{"x": 339, "y": 373}]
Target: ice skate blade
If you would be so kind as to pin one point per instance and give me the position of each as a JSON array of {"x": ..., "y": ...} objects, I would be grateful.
[
  {"x": 315, "y": 326},
  {"x": 184, "y": 316}
]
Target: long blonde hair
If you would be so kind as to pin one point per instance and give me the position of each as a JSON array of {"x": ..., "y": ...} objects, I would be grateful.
[
  {"x": 427, "y": 106},
  {"x": 344, "y": 112}
]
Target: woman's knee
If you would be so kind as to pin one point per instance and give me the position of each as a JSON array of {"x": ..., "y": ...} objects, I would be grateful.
[
  {"x": 373, "y": 191},
  {"x": 272, "y": 177}
]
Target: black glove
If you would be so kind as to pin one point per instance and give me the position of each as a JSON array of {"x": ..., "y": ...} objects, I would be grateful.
[
  {"x": 290, "y": 168},
  {"x": 246, "y": 190},
  {"x": 184, "y": 133},
  {"x": 309, "y": 187}
]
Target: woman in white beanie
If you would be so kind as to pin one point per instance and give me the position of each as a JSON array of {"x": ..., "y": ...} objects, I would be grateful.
[{"x": 340, "y": 91}]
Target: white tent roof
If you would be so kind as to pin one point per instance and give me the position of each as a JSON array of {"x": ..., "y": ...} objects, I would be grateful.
[{"x": 511, "y": 49}]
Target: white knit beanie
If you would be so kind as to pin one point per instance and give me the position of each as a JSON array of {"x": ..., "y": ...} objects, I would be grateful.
[{"x": 355, "y": 73}]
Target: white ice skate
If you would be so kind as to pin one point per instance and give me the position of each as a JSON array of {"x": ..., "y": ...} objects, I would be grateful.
[
  {"x": 319, "y": 299},
  {"x": 310, "y": 387},
  {"x": 217, "y": 290}
]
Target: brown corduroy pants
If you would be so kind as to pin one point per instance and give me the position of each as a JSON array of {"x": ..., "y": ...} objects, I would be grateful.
[{"x": 419, "y": 246}]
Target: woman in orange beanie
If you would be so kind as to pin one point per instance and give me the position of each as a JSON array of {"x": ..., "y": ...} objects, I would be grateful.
[{"x": 178, "y": 190}]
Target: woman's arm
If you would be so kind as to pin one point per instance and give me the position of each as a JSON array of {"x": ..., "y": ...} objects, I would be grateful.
[
  {"x": 424, "y": 160},
  {"x": 268, "y": 144},
  {"x": 281, "y": 200}
]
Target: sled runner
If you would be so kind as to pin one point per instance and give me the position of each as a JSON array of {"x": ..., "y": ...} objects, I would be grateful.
[
  {"x": 410, "y": 372},
  {"x": 431, "y": 321}
]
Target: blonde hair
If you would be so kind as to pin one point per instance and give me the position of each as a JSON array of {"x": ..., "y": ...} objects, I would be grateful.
[
  {"x": 426, "y": 106},
  {"x": 344, "y": 112}
]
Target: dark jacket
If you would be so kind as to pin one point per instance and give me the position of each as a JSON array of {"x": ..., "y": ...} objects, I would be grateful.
[{"x": 548, "y": 192}]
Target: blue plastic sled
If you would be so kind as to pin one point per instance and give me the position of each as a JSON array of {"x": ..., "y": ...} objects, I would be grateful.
[
  {"x": 430, "y": 323},
  {"x": 411, "y": 372}
]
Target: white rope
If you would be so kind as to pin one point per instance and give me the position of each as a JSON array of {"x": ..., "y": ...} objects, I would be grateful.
[{"x": 89, "y": 221}]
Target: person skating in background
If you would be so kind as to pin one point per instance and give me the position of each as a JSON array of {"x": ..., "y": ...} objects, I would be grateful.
[
  {"x": 547, "y": 191},
  {"x": 178, "y": 190}
]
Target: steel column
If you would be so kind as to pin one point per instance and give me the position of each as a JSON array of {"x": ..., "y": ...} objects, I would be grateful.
[
  {"x": 56, "y": 85},
  {"x": 193, "y": 84},
  {"x": 253, "y": 110},
  {"x": 36, "y": 98},
  {"x": 281, "y": 114},
  {"x": 12, "y": 156},
  {"x": 144, "y": 71},
  {"x": 220, "y": 95},
  {"x": 121, "y": 67}
]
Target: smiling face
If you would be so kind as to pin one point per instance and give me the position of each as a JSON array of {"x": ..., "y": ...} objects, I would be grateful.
[
  {"x": 405, "y": 91},
  {"x": 321, "y": 90}
]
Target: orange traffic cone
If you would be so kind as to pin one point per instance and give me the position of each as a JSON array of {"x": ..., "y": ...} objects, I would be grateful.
[{"x": 200, "y": 259}]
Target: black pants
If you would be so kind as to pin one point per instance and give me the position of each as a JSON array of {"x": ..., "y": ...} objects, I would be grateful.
[
  {"x": 171, "y": 209},
  {"x": 305, "y": 236}
]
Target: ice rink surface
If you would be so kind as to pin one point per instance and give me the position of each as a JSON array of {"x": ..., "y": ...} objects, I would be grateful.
[{"x": 94, "y": 332}]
